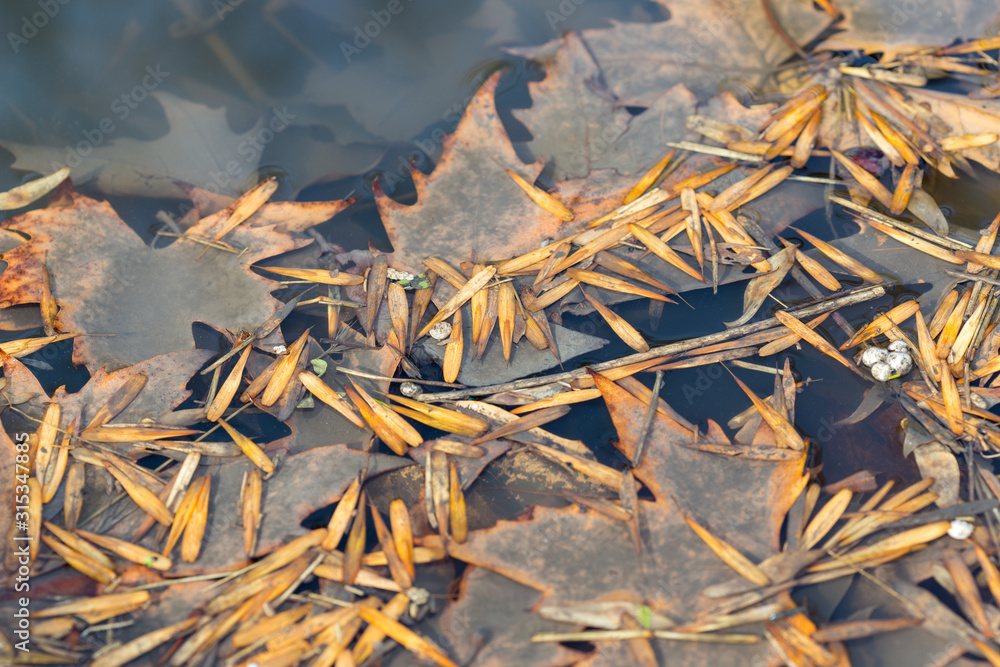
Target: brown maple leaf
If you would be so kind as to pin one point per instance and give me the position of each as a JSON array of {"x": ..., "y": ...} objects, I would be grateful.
[
  {"x": 576, "y": 556},
  {"x": 704, "y": 46},
  {"x": 890, "y": 28},
  {"x": 107, "y": 281}
]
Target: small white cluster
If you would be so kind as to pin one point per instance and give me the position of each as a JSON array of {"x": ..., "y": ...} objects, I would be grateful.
[
  {"x": 409, "y": 389},
  {"x": 886, "y": 364},
  {"x": 440, "y": 331},
  {"x": 395, "y": 275}
]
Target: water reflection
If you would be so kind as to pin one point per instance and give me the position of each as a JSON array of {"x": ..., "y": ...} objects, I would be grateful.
[{"x": 361, "y": 84}]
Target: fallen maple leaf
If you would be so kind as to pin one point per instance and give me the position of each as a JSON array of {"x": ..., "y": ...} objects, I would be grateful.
[
  {"x": 107, "y": 281},
  {"x": 703, "y": 45},
  {"x": 468, "y": 209},
  {"x": 577, "y": 122},
  {"x": 890, "y": 28},
  {"x": 575, "y": 557}
]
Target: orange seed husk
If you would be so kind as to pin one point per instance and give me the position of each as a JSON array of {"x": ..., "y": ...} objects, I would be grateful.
[
  {"x": 143, "y": 497},
  {"x": 401, "y": 634},
  {"x": 79, "y": 561},
  {"x": 478, "y": 281},
  {"x": 97, "y": 608},
  {"x": 251, "y": 496},
  {"x": 45, "y": 438},
  {"x": 341, "y": 517},
  {"x": 825, "y": 519},
  {"x": 949, "y": 332},
  {"x": 227, "y": 391},
  {"x": 816, "y": 270},
  {"x": 52, "y": 477},
  {"x": 120, "y": 400},
  {"x": 810, "y": 336},
  {"x": 614, "y": 284},
  {"x": 562, "y": 398},
  {"x": 446, "y": 271},
  {"x": 456, "y": 506},
  {"x": 128, "y": 551},
  {"x": 693, "y": 225},
  {"x": 355, "y": 547},
  {"x": 284, "y": 370},
  {"x": 247, "y": 205},
  {"x": 663, "y": 251},
  {"x": 542, "y": 198},
  {"x": 901, "y": 195},
  {"x": 444, "y": 419},
  {"x": 326, "y": 394},
  {"x": 402, "y": 534},
  {"x": 375, "y": 286},
  {"x": 952, "y": 403},
  {"x": 884, "y": 322},
  {"x": 648, "y": 178},
  {"x": 400, "y": 574},
  {"x": 784, "y": 432},
  {"x": 865, "y": 179},
  {"x": 942, "y": 313},
  {"x": 506, "y": 312},
  {"x": 79, "y": 543},
  {"x": 194, "y": 531},
  {"x": 625, "y": 331},
  {"x": 399, "y": 425},
  {"x": 454, "y": 350},
  {"x": 182, "y": 516},
  {"x": 399, "y": 311},
  {"x": 841, "y": 258},
  {"x": 378, "y": 424},
  {"x": 730, "y": 555},
  {"x": 249, "y": 447}
]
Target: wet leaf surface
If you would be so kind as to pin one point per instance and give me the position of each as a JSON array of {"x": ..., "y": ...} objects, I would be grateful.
[
  {"x": 574, "y": 556},
  {"x": 107, "y": 281},
  {"x": 719, "y": 41},
  {"x": 468, "y": 208},
  {"x": 579, "y": 125},
  {"x": 887, "y": 28}
]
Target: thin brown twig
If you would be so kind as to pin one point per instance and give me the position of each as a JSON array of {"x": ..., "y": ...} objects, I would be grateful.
[
  {"x": 647, "y": 421},
  {"x": 860, "y": 295}
]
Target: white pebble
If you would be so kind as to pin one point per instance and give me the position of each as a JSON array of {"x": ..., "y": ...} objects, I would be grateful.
[
  {"x": 960, "y": 530},
  {"x": 873, "y": 355},
  {"x": 441, "y": 330},
  {"x": 900, "y": 363},
  {"x": 899, "y": 346},
  {"x": 882, "y": 372}
]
